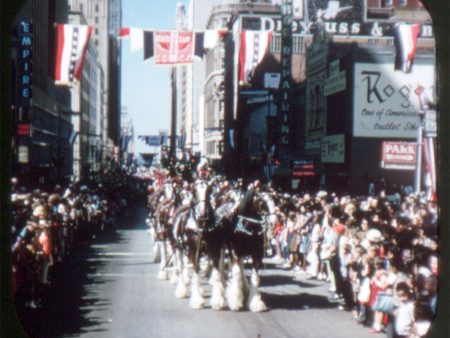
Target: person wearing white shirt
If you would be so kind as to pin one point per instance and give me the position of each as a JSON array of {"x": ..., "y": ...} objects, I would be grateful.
[{"x": 404, "y": 314}]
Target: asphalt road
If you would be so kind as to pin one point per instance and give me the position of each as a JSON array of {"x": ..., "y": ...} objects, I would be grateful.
[{"x": 110, "y": 289}]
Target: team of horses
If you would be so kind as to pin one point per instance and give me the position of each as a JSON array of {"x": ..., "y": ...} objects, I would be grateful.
[{"x": 211, "y": 221}]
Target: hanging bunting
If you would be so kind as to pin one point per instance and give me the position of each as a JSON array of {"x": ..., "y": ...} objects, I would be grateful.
[
  {"x": 405, "y": 39},
  {"x": 148, "y": 45},
  {"x": 254, "y": 45},
  {"x": 136, "y": 36},
  {"x": 212, "y": 37},
  {"x": 72, "y": 42}
]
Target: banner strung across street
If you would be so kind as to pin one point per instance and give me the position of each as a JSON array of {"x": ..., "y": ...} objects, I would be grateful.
[{"x": 171, "y": 47}]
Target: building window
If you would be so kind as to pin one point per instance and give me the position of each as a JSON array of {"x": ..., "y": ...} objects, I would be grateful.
[
  {"x": 275, "y": 44},
  {"x": 298, "y": 46},
  {"x": 403, "y": 3},
  {"x": 96, "y": 8},
  {"x": 251, "y": 23},
  {"x": 96, "y": 19}
]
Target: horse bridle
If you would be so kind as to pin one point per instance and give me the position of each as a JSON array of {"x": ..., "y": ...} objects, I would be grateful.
[{"x": 199, "y": 201}]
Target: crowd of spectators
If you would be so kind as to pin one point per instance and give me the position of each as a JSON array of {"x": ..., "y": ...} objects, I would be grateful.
[
  {"x": 379, "y": 254},
  {"x": 47, "y": 226}
]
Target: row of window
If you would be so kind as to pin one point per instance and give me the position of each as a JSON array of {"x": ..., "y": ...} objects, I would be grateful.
[{"x": 298, "y": 46}]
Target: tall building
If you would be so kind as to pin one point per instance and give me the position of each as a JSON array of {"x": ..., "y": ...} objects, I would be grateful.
[
  {"x": 106, "y": 18},
  {"x": 191, "y": 78},
  {"x": 113, "y": 78},
  {"x": 41, "y": 130},
  {"x": 85, "y": 106}
]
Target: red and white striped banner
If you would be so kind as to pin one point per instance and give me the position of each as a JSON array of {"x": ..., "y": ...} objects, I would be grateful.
[
  {"x": 405, "y": 38},
  {"x": 254, "y": 45},
  {"x": 72, "y": 42}
]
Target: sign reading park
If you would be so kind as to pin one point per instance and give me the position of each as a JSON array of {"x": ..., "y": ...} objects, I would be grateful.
[{"x": 398, "y": 155}]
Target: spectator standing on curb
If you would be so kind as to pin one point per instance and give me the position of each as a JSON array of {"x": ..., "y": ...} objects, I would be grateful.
[{"x": 404, "y": 314}]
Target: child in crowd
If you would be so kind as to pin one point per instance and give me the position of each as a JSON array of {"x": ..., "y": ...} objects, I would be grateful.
[{"x": 404, "y": 314}]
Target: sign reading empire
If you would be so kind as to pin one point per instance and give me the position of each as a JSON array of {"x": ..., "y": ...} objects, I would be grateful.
[{"x": 385, "y": 102}]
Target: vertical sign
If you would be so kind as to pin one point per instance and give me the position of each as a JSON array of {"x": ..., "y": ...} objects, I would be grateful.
[
  {"x": 285, "y": 83},
  {"x": 24, "y": 61}
]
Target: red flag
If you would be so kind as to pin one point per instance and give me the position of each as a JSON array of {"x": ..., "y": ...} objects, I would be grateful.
[{"x": 72, "y": 42}]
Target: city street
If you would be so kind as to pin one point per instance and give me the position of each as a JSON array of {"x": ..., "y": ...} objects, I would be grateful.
[{"x": 110, "y": 289}]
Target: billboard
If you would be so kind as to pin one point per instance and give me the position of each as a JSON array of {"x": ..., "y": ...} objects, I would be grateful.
[{"x": 385, "y": 103}]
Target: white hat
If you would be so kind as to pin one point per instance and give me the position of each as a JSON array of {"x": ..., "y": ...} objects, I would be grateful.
[
  {"x": 322, "y": 193},
  {"x": 374, "y": 235}
]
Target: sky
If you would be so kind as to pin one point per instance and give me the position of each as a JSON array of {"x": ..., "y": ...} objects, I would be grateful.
[{"x": 145, "y": 86}]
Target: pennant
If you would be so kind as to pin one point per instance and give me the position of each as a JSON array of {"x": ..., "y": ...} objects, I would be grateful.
[
  {"x": 181, "y": 140},
  {"x": 405, "y": 40},
  {"x": 136, "y": 39},
  {"x": 72, "y": 42},
  {"x": 254, "y": 45},
  {"x": 173, "y": 47},
  {"x": 231, "y": 136},
  {"x": 163, "y": 140},
  {"x": 136, "y": 36},
  {"x": 212, "y": 37},
  {"x": 148, "y": 45},
  {"x": 124, "y": 32},
  {"x": 72, "y": 137},
  {"x": 199, "y": 44}
]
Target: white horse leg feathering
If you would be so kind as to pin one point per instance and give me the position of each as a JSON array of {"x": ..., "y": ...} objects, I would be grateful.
[
  {"x": 218, "y": 291},
  {"x": 255, "y": 303},
  {"x": 181, "y": 290},
  {"x": 157, "y": 251},
  {"x": 235, "y": 291},
  {"x": 162, "y": 274},
  {"x": 196, "y": 301},
  {"x": 176, "y": 267}
]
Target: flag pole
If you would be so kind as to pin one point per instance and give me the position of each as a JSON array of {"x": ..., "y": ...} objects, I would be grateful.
[
  {"x": 418, "y": 173},
  {"x": 173, "y": 122}
]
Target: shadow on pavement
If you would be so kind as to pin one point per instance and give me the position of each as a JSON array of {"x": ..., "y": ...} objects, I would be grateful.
[
  {"x": 276, "y": 279},
  {"x": 66, "y": 305},
  {"x": 297, "y": 302}
]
